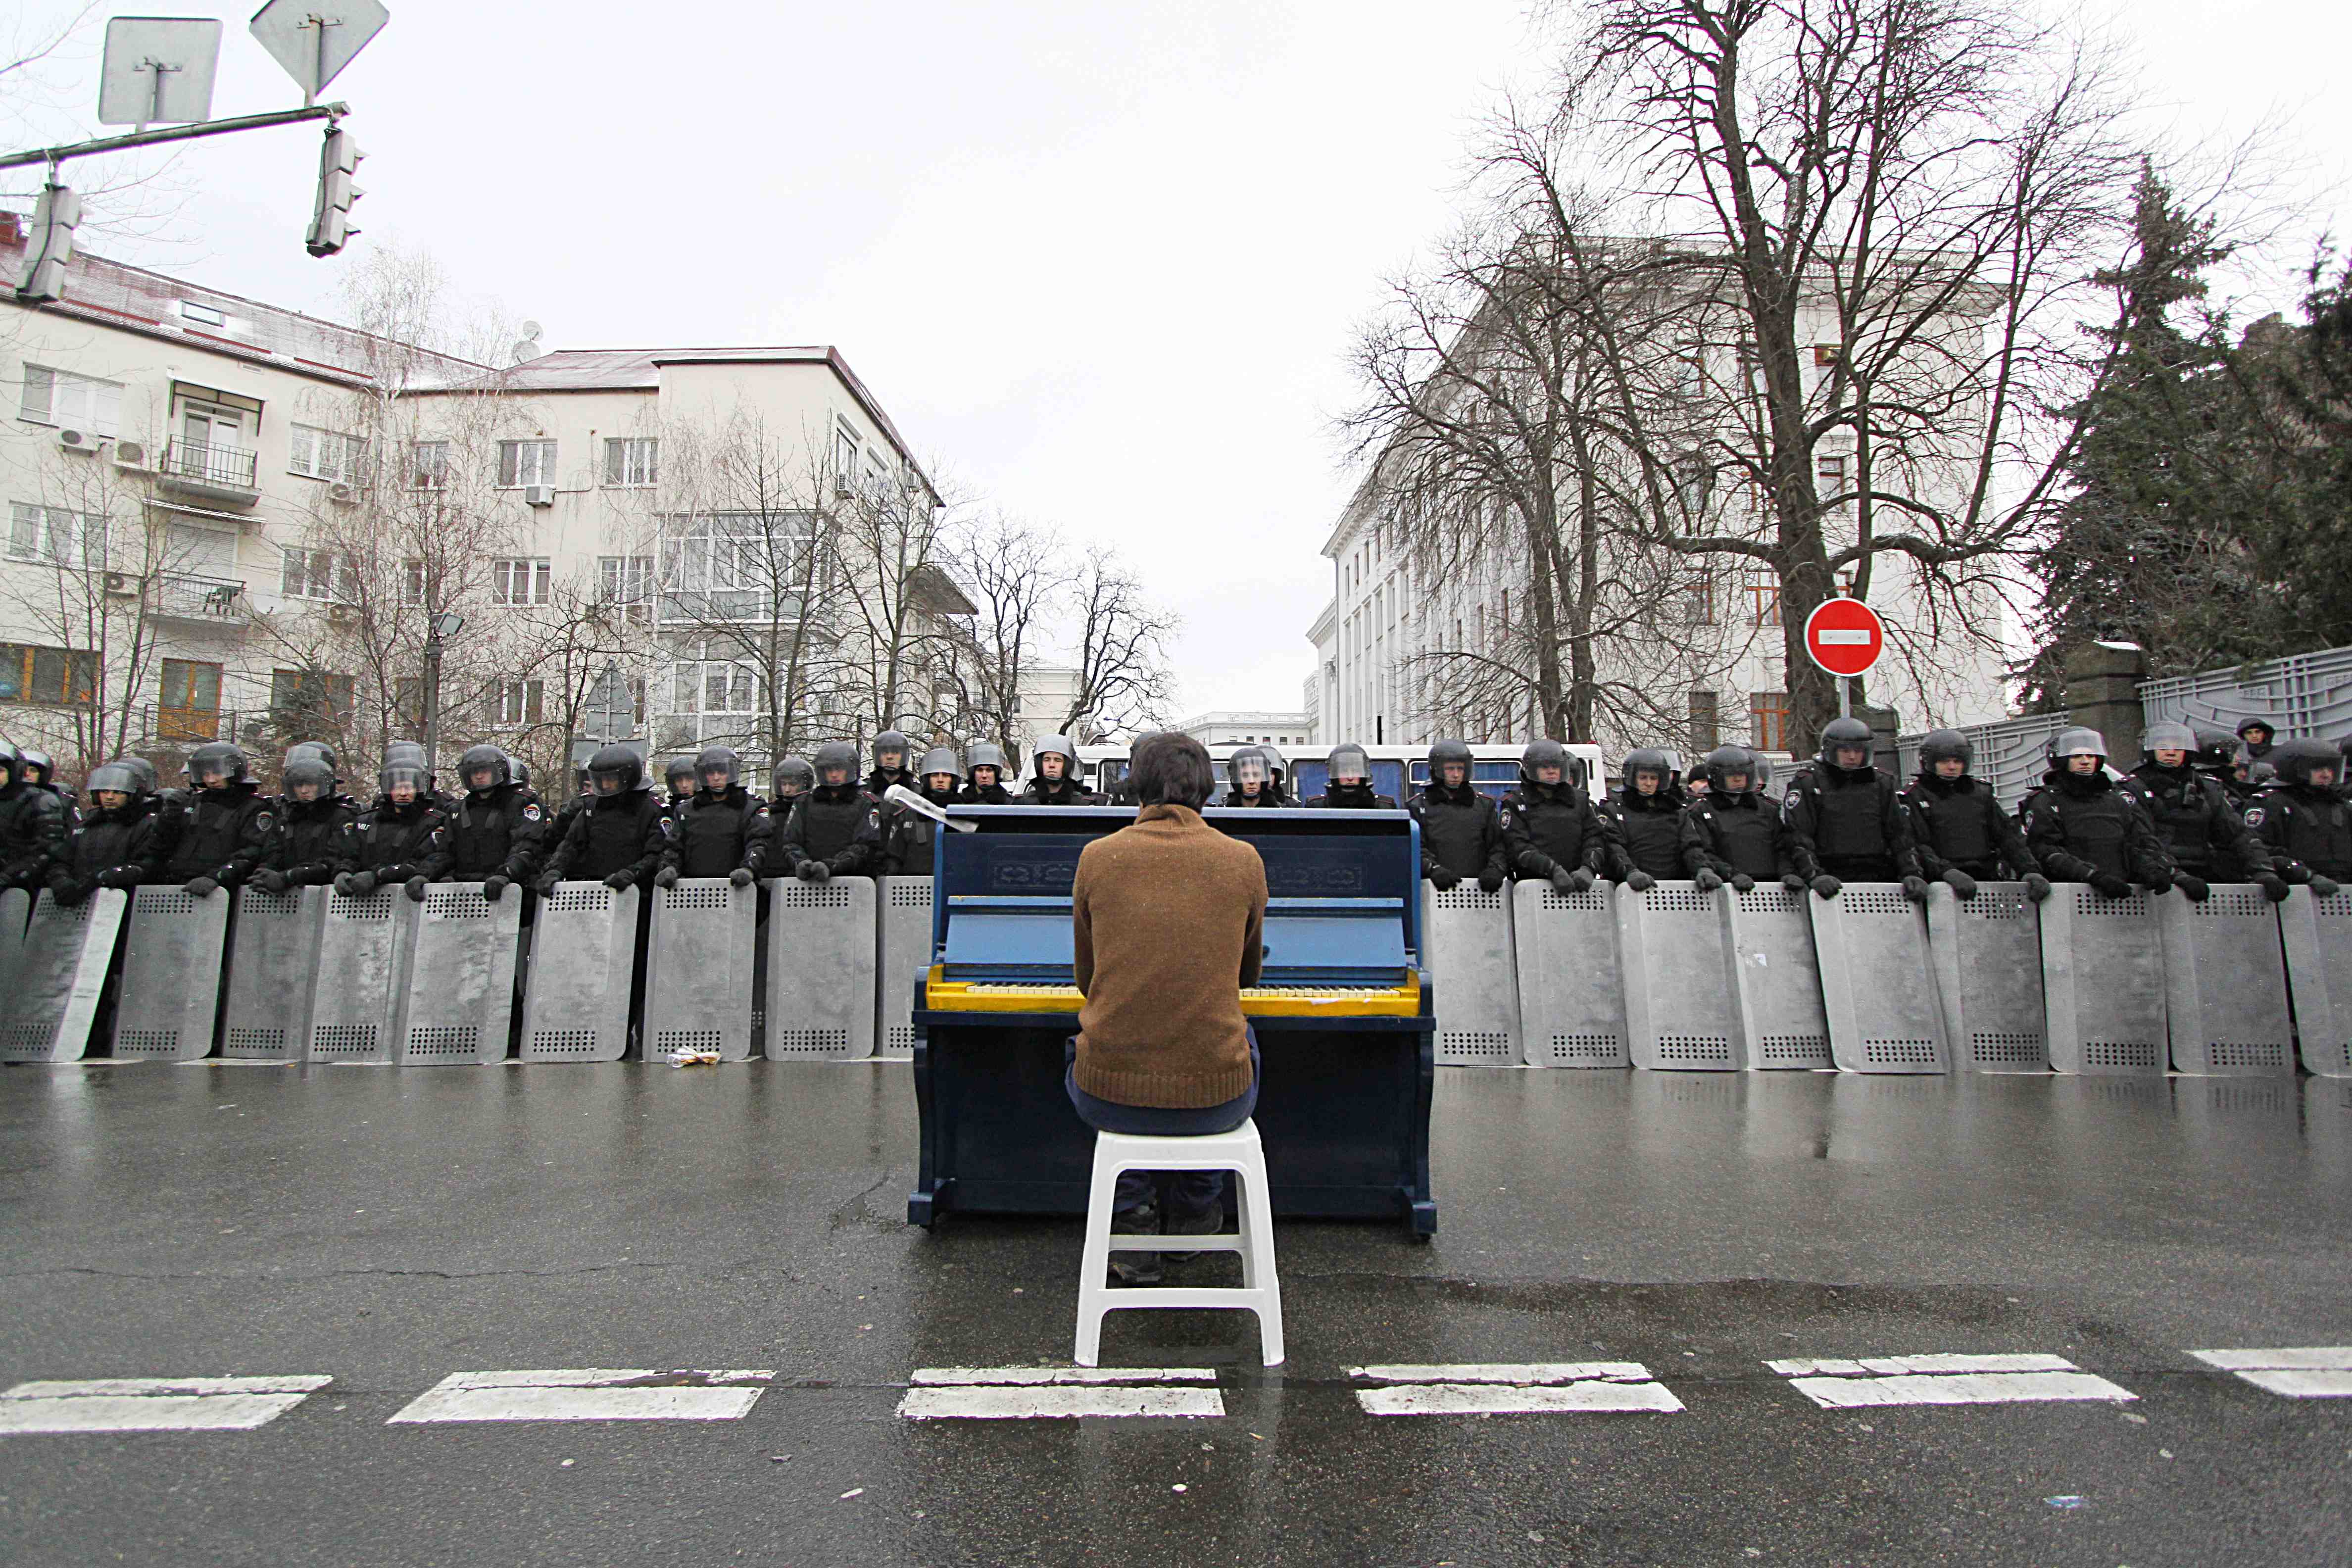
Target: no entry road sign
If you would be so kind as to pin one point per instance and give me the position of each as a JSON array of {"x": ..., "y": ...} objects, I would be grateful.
[{"x": 1844, "y": 636}]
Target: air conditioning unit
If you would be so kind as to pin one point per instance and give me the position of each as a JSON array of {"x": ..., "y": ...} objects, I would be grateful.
[
  {"x": 344, "y": 491},
  {"x": 120, "y": 583},
  {"x": 844, "y": 489},
  {"x": 78, "y": 440},
  {"x": 539, "y": 495},
  {"x": 131, "y": 455}
]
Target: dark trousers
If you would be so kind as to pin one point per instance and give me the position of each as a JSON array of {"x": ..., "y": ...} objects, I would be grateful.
[{"x": 1191, "y": 1193}]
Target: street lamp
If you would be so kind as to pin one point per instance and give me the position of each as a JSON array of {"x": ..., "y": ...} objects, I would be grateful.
[{"x": 448, "y": 624}]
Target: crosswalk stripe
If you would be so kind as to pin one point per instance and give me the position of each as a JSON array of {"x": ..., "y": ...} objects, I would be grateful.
[
  {"x": 2308, "y": 1372},
  {"x": 587, "y": 1394},
  {"x": 1873, "y": 1382},
  {"x": 1040, "y": 1392},
  {"x": 1489, "y": 1388},
  {"x": 154, "y": 1403}
]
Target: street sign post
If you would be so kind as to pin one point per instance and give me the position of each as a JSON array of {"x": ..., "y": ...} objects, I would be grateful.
[
  {"x": 315, "y": 39},
  {"x": 1844, "y": 636},
  {"x": 158, "y": 70}
]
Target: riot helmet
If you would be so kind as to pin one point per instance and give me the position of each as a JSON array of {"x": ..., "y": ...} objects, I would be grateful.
[
  {"x": 1349, "y": 764},
  {"x": 840, "y": 755},
  {"x": 2077, "y": 743},
  {"x": 318, "y": 749},
  {"x": 1946, "y": 746},
  {"x": 793, "y": 776},
  {"x": 223, "y": 759},
  {"x": 1248, "y": 766},
  {"x": 616, "y": 771},
  {"x": 679, "y": 777},
  {"x": 1277, "y": 768},
  {"x": 891, "y": 750},
  {"x": 484, "y": 759},
  {"x": 117, "y": 777},
  {"x": 396, "y": 775},
  {"x": 38, "y": 766},
  {"x": 1542, "y": 754},
  {"x": 2168, "y": 735},
  {"x": 150, "y": 780},
  {"x": 2217, "y": 749},
  {"x": 1443, "y": 753},
  {"x": 1054, "y": 746},
  {"x": 1647, "y": 760},
  {"x": 2298, "y": 761},
  {"x": 517, "y": 770},
  {"x": 309, "y": 771},
  {"x": 719, "y": 760},
  {"x": 8, "y": 763},
  {"x": 412, "y": 753},
  {"x": 985, "y": 755},
  {"x": 1725, "y": 762},
  {"x": 1845, "y": 734},
  {"x": 937, "y": 763}
]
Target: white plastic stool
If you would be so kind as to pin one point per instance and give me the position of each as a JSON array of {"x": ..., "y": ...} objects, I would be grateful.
[{"x": 1261, "y": 1289}]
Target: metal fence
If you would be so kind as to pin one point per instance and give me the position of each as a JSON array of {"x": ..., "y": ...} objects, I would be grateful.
[
  {"x": 2010, "y": 754},
  {"x": 2304, "y": 695}
]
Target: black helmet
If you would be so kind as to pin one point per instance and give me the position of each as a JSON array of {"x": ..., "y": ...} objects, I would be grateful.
[
  {"x": 890, "y": 741},
  {"x": 939, "y": 759},
  {"x": 118, "y": 775},
  {"x": 1839, "y": 732},
  {"x": 1647, "y": 760},
  {"x": 517, "y": 769},
  {"x": 216, "y": 756},
  {"x": 1059, "y": 746},
  {"x": 149, "y": 779},
  {"x": 1253, "y": 759},
  {"x": 1724, "y": 761},
  {"x": 2076, "y": 743},
  {"x": 37, "y": 763},
  {"x": 479, "y": 757},
  {"x": 1444, "y": 752},
  {"x": 842, "y": 755},
  {"x": 318, "y": 749},
  {"x": 8, "y": 760},
  {"x": 795, "y": 770},
  {"x": 2168, "y": 735},
  {"x": 619, "y": 763},
  {"x": 2216, "y": 748},
  {"x": 1351, "y": 759},
  {"x": 2295, "y": 759},
  {"x": 713, "y": 758},
  {"x": 2269, "y": 730},
  {"x": 1547, "y": 754},
  {"x": 308, "y": 770},
  {"x": 678, "y": 768},
  {"x": 1277, "y": 763},
  {"x": 401, "y": 772},
  {"x": 1940, "y": 744}
]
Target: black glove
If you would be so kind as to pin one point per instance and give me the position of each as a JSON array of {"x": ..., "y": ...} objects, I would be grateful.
[
  {"x": 2273, "y": 887},
  {"x": 345, "y": 886},
  {"x": 1640, "y": 881},
  {"x": 2107, "y": 885},
  {"x": 665, "y": 878},
  {"x": 2194, "y": 888},
  {"x": 740, "y": 877},
  {"x": 1563, "y": 879},
  {"x": 2037, "y": 886},
  {"x": 620, "y": 879},
  {"x": 400, "y": 873},
  {"x": 200, "y": 887},
  {"x": 1827, "y": 886},
  {"x": 549, "y": 882},
  {"x": 1962, "y": 885},
  {"x": 1793, "y": 881},
  {"x": 814, "y": 871},
  {"x": 69, "y": 893},
  {"x": 363, "y": 883},
  {"x": 1741, "y": 882},
  {"x": 1708, "y": 881},
  {"x": 1916, "y": 889},
  {"x": 494, "y": 887},
  {"x": 1443, "y": 881},
  {"x": 1490, "y": 881},
  {"x": 119, "y": 877},
  {"x": 269, "y": 880},
  {"x": 416, "y": 890},
  {"x": 2324, "y": 886},
  {"x": 1581, "y": 879}
]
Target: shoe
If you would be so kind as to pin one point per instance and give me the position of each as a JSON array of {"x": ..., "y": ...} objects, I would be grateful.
[
  {"x": 1136, "y": 1268},
  {"x": 1210, "y": 1222}
]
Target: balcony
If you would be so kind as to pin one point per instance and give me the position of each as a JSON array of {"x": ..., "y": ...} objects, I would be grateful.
[
  {"x": 204, "y": 601},
  {"x": 224, "y": 476},
  {"x": 727, "y": 607}
]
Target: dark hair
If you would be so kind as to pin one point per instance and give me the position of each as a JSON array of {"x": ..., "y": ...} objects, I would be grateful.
[{"x": 1168, "y": 768}]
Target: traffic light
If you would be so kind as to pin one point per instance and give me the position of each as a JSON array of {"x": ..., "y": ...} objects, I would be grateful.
[
  {"x": 50, "y": 246},
  {"x": 331, "y": 224}
]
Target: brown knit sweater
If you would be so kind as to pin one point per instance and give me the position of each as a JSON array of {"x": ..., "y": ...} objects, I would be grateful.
[{"x": 1169, "y": 915}]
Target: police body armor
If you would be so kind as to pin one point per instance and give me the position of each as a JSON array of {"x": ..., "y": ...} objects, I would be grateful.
[
  {"x": 221, "y": 830},
  {"x": 1738, "y": 833},
  {"x": 616, "y": 832},
  {"x": 717, "y": 832},
  {"x": 833, "y": 823},
  {"x": 1460, "y": 829},
  {"x": 2193, "y": 816},
  {"x": 2306, "y": 830},
  {"x": 1548, "y": 827},
  {"x": 1956, "y": 826},
  {"x": 1651, "y": 830},
  {"x": 309, "y": 840},
  {"x": 497, "y": 832},
  {"x": 411, "y": 840}
]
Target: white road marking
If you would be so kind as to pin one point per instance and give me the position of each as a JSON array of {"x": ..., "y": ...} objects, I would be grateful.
[
  {"x": 588, "y": 1394},
  {"x": 1047, "y": 1393},
  {"x": 2309, "y": 1372},
  {"x": 1872, "y": 1381},
  {"x": 154, "y": 1403},
  {"x": 1487, "y": 1388}
]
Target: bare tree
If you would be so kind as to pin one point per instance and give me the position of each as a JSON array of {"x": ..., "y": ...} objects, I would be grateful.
[
  {"x": 901, "y": 630},
  {"x": 1018, "y": 577},
  {"x": 1121, "y": 645}
]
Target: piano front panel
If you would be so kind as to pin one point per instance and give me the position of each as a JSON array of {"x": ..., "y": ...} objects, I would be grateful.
[{"x": 943, "y": 995}]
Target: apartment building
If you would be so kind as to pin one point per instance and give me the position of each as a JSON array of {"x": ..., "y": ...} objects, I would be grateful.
[{"x": 1230, "y": 727}]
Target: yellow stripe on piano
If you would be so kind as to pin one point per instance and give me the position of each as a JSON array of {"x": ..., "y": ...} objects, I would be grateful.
[{"x": 1264, "y": 1001}]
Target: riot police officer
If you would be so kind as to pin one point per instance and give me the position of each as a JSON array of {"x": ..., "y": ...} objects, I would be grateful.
[
  {"x": 2304, "y": 822},
  {"x": 499, "y": 828},
  {"x": 1549, "y": 829},
  {"x": 1348, "y": 783},
  {"x": 1962, "y": 833},
  {"x": 306, "y": 847},
  {"x": 31, "y": 826},
  {"x": 1695, "y": 785},
  {"x": 222, "y": 831},
  {"x": 835, "y": 829},
  {"x": 1730, "y": 832},
  {"x": 722, "y": 829},
  {"x": 2201, "y": 830},
  {"x": 1249, "y": 777},
  {"x": 2258, "y": 737},
  {"x": 1056, "y": 782},
  {"x": 1844, "y": 822},
  {"x": 907, "y": 835},
  {"x": 2082, "y": 829},
  {"x": 984, "y": 776},
  {"x": 1278, "y": 769},
  {"x": 41, "y": 772},
  {"x": 403, "y": 837},
  {"x": 1461, "y": 831},
  {"x": 1645, "y": 821},
  {"x": 792, "y": 779},
  {"x": 678, "y": 777},
  {"x": 893, "y": 754},
  {"x": 618, "y": 836},
  {"x": 117, "y": 844}
]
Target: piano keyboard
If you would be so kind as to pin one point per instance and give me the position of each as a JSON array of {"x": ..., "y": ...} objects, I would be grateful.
[{"x": 1258, "y": 1000}]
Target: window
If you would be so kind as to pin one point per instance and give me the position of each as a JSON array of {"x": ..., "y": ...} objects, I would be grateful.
[
  {"x": 1827, "y": 355},
  {"x": 1764, "y": 597},
  {"x": 57, "y": 675},
  {"x": 716, "y": 688},
  {"x": 428, "y": 465},
  {"x": 529, "y": 581},
  {"x": 1829, "y": 474},
  {"x": 408, "y": 705},
  {"x": 319, "y": 574},
  {"x": 1705, "y": 721},
  {"x": 1768, "y": 721},
  {"x": 1693, "y": 604},
  {"x": 726, "y": 566},
  {"x": 204, "y": 315},
  {"x": 526, "y": 463},
  {"x": 521, "y": 702},
  {"x": 323, "y": 453},
  {"x": 187, "y": 705},
  {"x": 626, "y": 581},
  {"x": 412, "y": 580},
  {"x": 845, "y": 453},
  {"x": 70, "y": 401},
  {"x": 54, "y": 535},
  {"x": 634, "y": 460}
]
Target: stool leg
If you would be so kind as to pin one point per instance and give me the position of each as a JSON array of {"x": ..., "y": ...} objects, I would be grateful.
[
  {"x": 1258, "y": 1269},
  {"x": 1094, "y": 1268}
]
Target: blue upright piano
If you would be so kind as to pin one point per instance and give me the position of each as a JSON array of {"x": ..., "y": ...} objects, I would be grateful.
[{"x": 1343, "y": 1015}]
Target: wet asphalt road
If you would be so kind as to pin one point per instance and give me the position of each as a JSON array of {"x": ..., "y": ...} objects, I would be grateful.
[{"x": 391, "y": 1228}]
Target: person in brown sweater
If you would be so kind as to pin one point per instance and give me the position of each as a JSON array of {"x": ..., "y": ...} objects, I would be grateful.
[{"x": 1167, "y": 918}]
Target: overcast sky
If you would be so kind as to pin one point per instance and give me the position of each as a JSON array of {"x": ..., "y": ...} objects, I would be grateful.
[{"x": 1101, "y": 262}]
